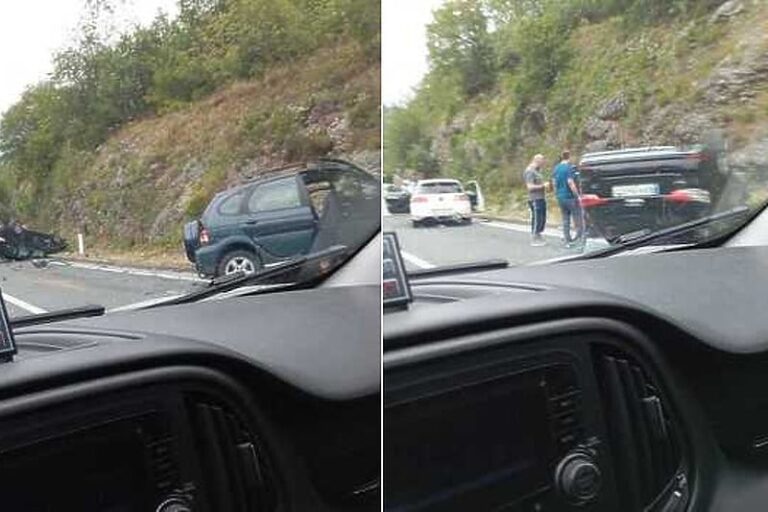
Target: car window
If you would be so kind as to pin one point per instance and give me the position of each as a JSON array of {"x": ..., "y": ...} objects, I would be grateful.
[
  {"x": 232, "y": 205},
  {"x": 348, "y": 185},
  {"x": 275, "y": 195},
  {"x": 370, "y": 189},
  {"x": 445, "y": 187},
  {"x": 318, "y": 192}
]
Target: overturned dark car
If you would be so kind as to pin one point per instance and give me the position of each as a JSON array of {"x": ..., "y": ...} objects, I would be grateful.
[
  {"x": 19, "y": 243},
  {"x": 647, "y": 189}
]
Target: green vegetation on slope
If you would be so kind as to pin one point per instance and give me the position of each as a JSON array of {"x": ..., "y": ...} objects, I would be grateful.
[
  {"x": 512, "y": 78},
  {"x": 131, "y": 137}
]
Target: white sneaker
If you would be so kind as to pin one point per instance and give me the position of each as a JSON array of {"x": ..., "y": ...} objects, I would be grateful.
[{"x": 538, "y": 241}]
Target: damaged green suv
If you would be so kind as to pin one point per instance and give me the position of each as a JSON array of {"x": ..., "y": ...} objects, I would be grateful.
[{"x": 285, "y": 213}]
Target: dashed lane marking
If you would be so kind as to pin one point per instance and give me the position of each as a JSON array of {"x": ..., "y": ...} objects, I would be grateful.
[{"x": 522, "y": 229}]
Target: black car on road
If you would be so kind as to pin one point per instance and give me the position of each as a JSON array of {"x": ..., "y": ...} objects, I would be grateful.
[
  {"x": 284, "y": 214},
  {"x": 647, "y": 189},
  {"x": 19, "y": 243},
  {"x": 398, "y": 199}
]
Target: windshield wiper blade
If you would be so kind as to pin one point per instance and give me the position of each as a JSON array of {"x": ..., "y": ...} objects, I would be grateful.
[
  {"x": 640, "y": 240},
  {"x": 276, "y": 272},
  {"x": 461, "y": 267},
  {"x": 58, "y": 316}
]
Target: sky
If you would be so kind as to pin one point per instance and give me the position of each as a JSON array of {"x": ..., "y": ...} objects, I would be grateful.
[
  {"x": 31, "y": 31},
  {"x": 404, "y": 46}
]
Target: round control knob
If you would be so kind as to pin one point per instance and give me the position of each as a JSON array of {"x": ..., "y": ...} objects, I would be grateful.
[{"x": 578, "y": 478}]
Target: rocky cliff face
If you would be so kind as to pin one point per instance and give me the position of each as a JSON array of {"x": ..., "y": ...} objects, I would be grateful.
[
  {"x": 154, "y": 174},
  {"x": 728, "y": 100},
  {"x": 681, "y": 82}
]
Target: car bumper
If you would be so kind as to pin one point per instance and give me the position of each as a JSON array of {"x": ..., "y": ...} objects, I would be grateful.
[
  {"x": 618, "y": 218},
  {"x": 419, "y": 213},
  {"x": 207, "y": 259}
]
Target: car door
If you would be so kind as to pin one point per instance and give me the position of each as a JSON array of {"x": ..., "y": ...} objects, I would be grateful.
[
  {"x": 279, "y": 219},
  {"x": 475, "y": 193},
  {"x": 359, "y": 202}
]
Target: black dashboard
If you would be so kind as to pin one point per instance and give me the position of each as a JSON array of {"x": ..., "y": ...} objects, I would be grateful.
[
  {"x": 629, "y": 383},
  {"x": 265, "y": 403}
]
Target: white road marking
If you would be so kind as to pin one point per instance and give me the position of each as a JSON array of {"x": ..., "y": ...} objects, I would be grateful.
[
  {"x": 415, "y": 260},
  {"x": 176, "y": 276},
  {"x": 23, "y": 305},
  {"x": 555, "y": 233}
]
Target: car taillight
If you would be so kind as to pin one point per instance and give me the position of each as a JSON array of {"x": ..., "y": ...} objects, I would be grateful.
[
  {"x": 688, "y": 195},
  {"x": 590, "y": 200},
  {"x": 205, "y": 237},
  {"x": 419, "y": 199}
]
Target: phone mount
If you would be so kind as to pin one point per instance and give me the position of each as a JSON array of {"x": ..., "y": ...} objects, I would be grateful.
[{"x": 396, "y": 292}]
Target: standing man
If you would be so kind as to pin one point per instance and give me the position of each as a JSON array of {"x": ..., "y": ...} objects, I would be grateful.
[
  {"x": 567, "y": 192},
  {"x": 537, "y": 188}
]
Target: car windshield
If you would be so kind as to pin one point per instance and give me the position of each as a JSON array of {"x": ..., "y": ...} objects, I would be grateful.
[
  {"x": 573, "y": 126},
  {"x": 149, "y": 147}
]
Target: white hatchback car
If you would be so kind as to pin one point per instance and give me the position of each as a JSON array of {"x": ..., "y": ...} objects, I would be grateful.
[{"x": 440, "y": 200}]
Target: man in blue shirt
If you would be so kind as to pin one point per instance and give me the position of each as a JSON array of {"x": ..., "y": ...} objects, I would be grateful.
[{"x": 567, "y": 192}]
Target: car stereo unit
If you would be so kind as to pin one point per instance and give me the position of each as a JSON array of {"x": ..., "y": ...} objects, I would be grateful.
[{"x": 490, "y": 443}]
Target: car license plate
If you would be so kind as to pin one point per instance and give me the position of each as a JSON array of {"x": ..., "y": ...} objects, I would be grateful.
[
  {"x": 443, "y": 213},
  {"x": 639, "y": 190}
]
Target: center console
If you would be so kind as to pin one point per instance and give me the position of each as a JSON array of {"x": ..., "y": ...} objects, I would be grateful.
[
  {"x": 567, "y": 422},
  {"x": 492, "y": 438}
]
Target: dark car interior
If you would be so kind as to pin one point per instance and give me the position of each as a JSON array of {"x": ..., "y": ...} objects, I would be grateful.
[
  {"x": 263, "y": 402},
  {"x": 634, "y": 383}
]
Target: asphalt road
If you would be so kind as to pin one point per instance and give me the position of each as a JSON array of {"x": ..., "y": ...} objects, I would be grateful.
[
  {"x": 34, "y": 287},
  {"x": 37, "y": 287},
  {"x": 426, "y": 247}
]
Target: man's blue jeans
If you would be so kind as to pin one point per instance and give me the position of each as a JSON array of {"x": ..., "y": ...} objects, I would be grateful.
[
  {"x": 538, "y": 215},
  {"x": 571, "y": 209}
]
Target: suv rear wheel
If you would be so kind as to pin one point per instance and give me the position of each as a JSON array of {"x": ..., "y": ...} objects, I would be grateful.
[{"x": 238, "y": 261}]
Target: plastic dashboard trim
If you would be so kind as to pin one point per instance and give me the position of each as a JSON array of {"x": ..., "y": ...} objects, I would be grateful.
[
  {"x": 703, "y": 454},
  {"x": 296, "y": 490}
]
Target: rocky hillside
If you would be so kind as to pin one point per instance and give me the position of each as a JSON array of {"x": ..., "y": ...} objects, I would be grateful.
[
  {"x": 694, "y": 75},
  {"x": 131, "y": 134},
  {"x": 153, "y": 174}
]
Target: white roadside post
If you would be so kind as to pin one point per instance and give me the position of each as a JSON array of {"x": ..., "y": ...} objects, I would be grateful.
[{"x": 80, "y": 244}]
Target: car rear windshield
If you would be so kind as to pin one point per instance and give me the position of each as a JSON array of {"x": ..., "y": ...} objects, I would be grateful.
[{"x": 441, "y": 187}]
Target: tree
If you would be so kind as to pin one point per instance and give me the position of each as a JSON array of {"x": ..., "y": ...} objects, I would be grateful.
[
  {"x": 105, "y": 80},
  {"x": 406, "y": 143},
  {"x": 458, "y": 42}
]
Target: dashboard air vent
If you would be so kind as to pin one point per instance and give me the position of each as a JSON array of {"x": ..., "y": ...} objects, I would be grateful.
[
  {"x": 163, "y": 464},
  {"x": 237, "y": 473},
  {"x": 645, "y": 444}
]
